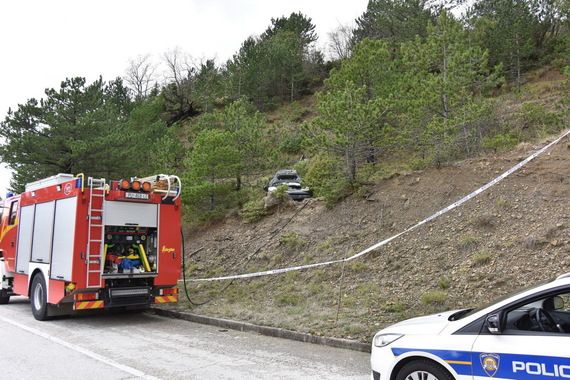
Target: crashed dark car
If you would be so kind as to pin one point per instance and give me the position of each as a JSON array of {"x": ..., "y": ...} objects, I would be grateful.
[{"x": 292, "y": 180}]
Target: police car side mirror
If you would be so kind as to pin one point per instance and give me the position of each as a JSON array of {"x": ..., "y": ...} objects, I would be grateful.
[{"x": 494, "y": 323}]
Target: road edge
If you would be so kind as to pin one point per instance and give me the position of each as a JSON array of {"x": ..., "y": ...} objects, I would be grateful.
[{"x": 275, "y": 332}]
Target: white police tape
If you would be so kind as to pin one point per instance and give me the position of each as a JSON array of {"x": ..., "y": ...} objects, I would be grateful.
[{"x": 386, "y": 241}]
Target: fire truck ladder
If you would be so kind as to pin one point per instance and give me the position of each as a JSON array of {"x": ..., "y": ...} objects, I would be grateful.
[{"x": 95, "y": 232}]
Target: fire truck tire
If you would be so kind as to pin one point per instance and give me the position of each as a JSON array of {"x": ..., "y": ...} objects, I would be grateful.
[
  {"x": 38, "y": 298},
  {"x": 4, "y": 299}
]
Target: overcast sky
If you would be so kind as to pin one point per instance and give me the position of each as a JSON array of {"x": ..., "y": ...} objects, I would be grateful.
[{"x": 43, "y": 42}]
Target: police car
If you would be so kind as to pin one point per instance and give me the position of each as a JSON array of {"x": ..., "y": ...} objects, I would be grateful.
[{"x": 525, "y": 335}]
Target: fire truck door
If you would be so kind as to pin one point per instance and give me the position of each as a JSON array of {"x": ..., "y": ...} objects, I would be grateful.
[
  {"x": 9, "y": 226},
  {"x": 63, "y": 239},
  {"x": 25, "y": 231}
]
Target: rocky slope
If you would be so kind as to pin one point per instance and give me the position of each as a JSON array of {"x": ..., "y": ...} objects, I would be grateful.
[{"x": 513, "y": 235}]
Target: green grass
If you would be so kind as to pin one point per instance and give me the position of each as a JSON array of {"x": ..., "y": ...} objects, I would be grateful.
[
  {"x": 288, "y": 299},
  {"x": 394, "y": 307},
  {"x": 434, "y": 297},
  {"x": 468, "y": 242},
  {"x": 357, "y": 267},
  {"x": 481, "y": 258},
  {"x": 253, "y": 211},
  {"x": 444, "y": 283},
  {"x": 292, "y": 240},
  {"x": 501, "y": 203},
  {"x": 500, "y": 142}
]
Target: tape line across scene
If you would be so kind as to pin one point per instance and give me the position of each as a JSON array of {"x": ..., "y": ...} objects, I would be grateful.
[{"x": 386, "y": 241}]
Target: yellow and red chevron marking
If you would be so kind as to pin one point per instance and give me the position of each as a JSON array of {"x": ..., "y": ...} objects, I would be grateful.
[
  {"x": 165, "y": 299},
  {"x": 7, "y": 229},
  {"x": 84, "y": 305}
]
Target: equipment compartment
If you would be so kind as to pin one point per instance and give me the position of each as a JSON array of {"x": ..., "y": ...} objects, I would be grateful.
[{"x": 130, "y": 250}]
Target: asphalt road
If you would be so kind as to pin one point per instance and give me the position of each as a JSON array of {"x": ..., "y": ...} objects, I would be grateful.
[{"x": 132, "y": 346}]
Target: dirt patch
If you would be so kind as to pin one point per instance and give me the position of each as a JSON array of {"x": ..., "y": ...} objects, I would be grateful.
[{"x": 550, "y": 74}]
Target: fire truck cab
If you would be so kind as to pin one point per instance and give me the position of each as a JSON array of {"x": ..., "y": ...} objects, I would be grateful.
[{"x": 75, "y": 243}]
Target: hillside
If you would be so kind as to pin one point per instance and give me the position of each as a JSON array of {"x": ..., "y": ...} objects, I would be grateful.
[{"x": 511, "y": 236}]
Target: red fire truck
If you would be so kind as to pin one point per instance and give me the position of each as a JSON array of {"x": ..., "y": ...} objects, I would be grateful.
[{"x": 75, "y": 243}]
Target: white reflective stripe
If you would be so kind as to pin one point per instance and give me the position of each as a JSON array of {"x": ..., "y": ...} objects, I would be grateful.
[{"x": 386, "y": 241}]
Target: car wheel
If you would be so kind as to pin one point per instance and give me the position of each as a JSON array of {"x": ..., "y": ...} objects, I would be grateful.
[
  {"x": 38, "y": 298},
  {"x": 423, "y": 370}
]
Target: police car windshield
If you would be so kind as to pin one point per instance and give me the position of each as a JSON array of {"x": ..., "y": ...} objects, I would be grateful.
[{"x": 467, "y": 312}]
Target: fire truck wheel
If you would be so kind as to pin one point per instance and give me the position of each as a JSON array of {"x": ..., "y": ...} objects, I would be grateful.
[
  {"x": 38, "y": 298},
  {"x": 4, "y": 299}
]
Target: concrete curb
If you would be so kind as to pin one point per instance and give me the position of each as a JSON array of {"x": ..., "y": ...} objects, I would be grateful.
[{"x": 264, "y": 330}]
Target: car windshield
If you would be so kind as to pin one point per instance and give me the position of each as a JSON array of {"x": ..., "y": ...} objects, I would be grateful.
[
  {"x": 467, "y": 312},
  {"x": 288, "y": 177}
]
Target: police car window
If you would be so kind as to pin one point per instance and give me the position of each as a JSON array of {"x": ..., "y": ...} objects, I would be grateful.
[
  {"x": 468, "y": 312},
  {"x": 550, "y": 314},
  {"x": 565, "y": 302}
]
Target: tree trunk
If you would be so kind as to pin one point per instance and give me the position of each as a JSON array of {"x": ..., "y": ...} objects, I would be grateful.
[
  {"x": 212, "y": 195},
  {"x": 371, "y": 154},
  {"x": 445, "y": 105},
  {"x": 350, "y": 156},
  {"x": 515, "y": 61},
  {"x": 239, "y": 86},
  {"x": 518, "y": 67},
  {"x": 466, "y": 137},
  {"x": 444, "y": 97}
]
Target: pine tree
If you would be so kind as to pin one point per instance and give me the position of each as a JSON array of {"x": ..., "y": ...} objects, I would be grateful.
[
  {"x": 447, "y": 73},
  {"x": 211, "y": 164},
  {"x": 347, "y": 124},
  {"x": 507, "y": 29},
  {"x": 394, "y": 21},
  {"x": 78, "y": 128}
]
